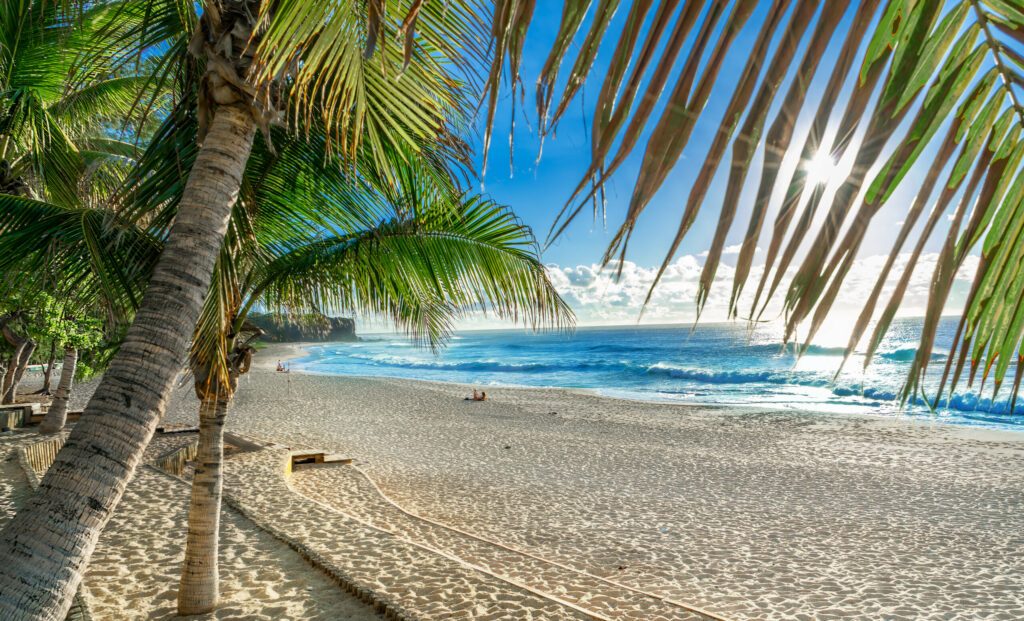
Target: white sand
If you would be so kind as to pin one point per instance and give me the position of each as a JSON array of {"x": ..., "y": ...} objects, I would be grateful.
[
  {"x": 138, "y": 560},
  {"x": 407, "y": 578},
  {"x": 750, "y": 514}
]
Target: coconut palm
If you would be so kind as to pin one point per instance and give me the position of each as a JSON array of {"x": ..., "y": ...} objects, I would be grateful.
[
  {"x": 55, "y": 125},
  {"x": 421, "y": 268},
  {"x": 74, "y": 335},
  {"x": 385, "y": 97},
  {"x": 55, "y": 111},
  {"x": 62, "y": 131},
  {"x": 309, "y": 234},
  {"x": 69, "y": 253}
]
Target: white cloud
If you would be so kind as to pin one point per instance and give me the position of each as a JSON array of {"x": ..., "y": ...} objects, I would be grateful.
[
  {"x": 598, "y": 297},
  {"x": 729, "y": 250}
]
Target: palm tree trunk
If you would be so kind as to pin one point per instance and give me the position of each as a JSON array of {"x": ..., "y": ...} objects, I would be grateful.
[
  {"x": 45, "y": 548},
  {"x": 57, "y": 415},
  {"x": 45, "y": 390},
  {"x": 199, "y": 587},
  {"x": 28, "y": 347}
]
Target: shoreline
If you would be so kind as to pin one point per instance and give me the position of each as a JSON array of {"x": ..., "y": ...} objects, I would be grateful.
[{"x": 292, "y": 351}]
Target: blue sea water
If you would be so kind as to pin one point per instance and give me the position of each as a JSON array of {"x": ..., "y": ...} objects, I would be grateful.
[{"x": 715, "y": 363}]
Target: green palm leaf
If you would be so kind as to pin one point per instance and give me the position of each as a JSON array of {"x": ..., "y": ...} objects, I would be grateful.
[{"x": 916, "y": 68}]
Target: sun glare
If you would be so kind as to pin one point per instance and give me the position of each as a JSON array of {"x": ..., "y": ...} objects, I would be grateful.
[{"x": 821, "y": 168}]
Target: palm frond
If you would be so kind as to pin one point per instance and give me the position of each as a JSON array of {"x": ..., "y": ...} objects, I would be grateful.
[
  {"x": 86, "y": 254},
  {"x": 479, "y": 258},
  {"x": 384, "y": 102},
  {"x": 111, "y": 100},
  {"x": 925, "y": 78}
]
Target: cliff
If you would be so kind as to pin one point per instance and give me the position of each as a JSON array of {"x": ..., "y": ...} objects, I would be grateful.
[{"x": 306, "y": 328}]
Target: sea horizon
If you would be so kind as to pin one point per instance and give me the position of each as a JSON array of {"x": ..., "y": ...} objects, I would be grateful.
[{"x": 723, "y": 363}]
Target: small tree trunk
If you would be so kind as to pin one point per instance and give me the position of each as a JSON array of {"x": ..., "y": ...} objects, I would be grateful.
[
  {"x": 57, "y": 415},
  {"x": 26, "y": 358},
  {"x": 17, "y": 343},
  {"x": 45, "y": 390},
  {"x": 17, "y": 370},
  {"x": 200, "y": 583},
  {"x": 12, "y": 366},
  {"x": 45, "y": 548}
]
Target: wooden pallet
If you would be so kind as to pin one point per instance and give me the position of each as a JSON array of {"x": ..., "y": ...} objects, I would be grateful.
[{"x": 314, "y": 459}]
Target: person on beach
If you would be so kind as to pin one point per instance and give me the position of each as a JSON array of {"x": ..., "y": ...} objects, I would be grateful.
[
  {"x": 477, "y": 396},
  {"x": 280, "y": 367}
]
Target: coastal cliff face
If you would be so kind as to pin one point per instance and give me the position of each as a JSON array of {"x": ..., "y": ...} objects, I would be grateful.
[{"x": 308, "y": 328}]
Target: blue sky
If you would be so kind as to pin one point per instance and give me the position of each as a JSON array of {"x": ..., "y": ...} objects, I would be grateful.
[{"x": 537, "y": 192}]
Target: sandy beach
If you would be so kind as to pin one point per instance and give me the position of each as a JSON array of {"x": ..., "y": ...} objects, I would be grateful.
[
  {"x": 616, "y": 506},
  {"x": 749, "y": 514}
]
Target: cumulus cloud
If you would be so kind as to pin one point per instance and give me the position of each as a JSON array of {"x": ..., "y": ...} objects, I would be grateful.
[{"x": 598, "y": 297}]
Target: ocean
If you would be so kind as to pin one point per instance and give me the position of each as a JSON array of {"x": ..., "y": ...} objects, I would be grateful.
[{"x": 715, "y": 363}]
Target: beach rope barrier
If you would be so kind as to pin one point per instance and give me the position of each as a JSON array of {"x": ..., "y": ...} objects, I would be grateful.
[
  {"x": 668, "y": 600},
  {"x": 554, "y": 598},
  {"x": 597, "y": 616}
]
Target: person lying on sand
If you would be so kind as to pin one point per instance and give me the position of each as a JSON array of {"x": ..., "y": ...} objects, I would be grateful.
[{"x": 477, "y": 396}]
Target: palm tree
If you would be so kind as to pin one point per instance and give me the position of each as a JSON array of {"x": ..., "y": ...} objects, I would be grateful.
[
  {"x": 379, "y": 96},
  {"x": 58, "y": 120},
  {"x": 71, "y": 253},
  {"x": 58, "y": 117},
  {"x": 421, "y": 269},
  {"x": 74, "y": 334},
  {"x": 308, "y": 235},
  {"x": 390, "y": 99},
  {"x": 57, "y": 415}
]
